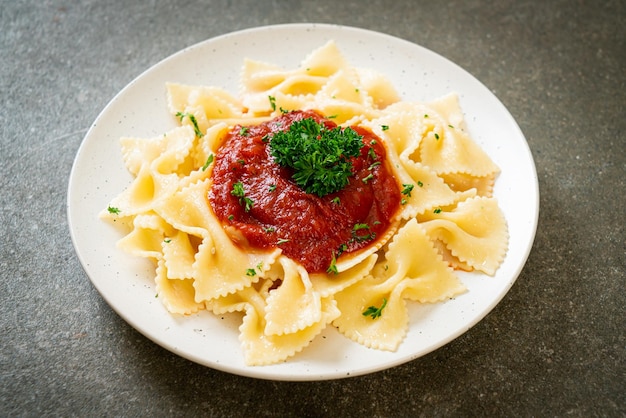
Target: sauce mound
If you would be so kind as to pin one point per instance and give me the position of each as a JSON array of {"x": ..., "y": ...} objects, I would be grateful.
[{"x": 262, "y": 207}]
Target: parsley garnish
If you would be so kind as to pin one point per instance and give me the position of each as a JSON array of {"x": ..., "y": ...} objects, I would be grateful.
[
  {"x": 407, "y": 189},
  {"x": 208, "y": 162},
  {"x": 375, "y": 312},
  {"x": 333, "y": 266},
  {"x": 272, "y": 187},
  {"x": 320, "y": 157},
  {"x": 194, "y": 122},
  {"x": 419, "y": 183},
  {"x": 436, "y": 136},
  {"x": 244, "y": 131},
  {"x": 239, "y": 192},
  {"x": 251, "y": 272},
  {"x": 438, "y": 210},
  {"x": 272, "y": 102},
  {"x": 360, "y": 238},
  {"x": 384, "y": 127},
  {"x": 367, "y": 178},
  {"x": 114, "y": 210}
]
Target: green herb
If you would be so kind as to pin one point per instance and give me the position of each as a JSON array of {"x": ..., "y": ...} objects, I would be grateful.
[
  {"x": 259, "y": 266},
  {"x": 282, "y": 241},
  {"x": 376, "y": 164},
  {"x": 244, "y": 131},
  {"x": 375, "y": 312},
  {"x": 272, "y": 102},
  {"x": 231, "y": 217},
  {"x": 114, "y": 210},
  {"x": 320, "y": 157},
  {"x": 269, "y": 229},
  {"x": 167, "y": 240},
  {"x": 384, "y": 127},
  {"x": 368, "y": 178},
  {"x": 426, "y": 116},
  {"x": 283, "y": 111},
  {"x": 239, "y": 192},
  {"x": 251, "y": 272},
  {"x": 372, "y": 154},
  {"x": 358, "y": 227},
  {"x": 407, "y": 189},
  {"x": 336, "y": 200},
  {"x": 361, "y": 238},
  {"x": 208, "y": 162},
  {"x": 450, "y": 126},
  {"x": 333, "y": 266},
  {"x": 419, "y": 183},
  {"x": 404, "y": 201},
  {"x": 193, "y": 120},
  {"x": 436, "y": 136},
  {"x": 272, "y": 187},
  {"x": 438, "y": 210},
  {"x": 332, "y": 116}
]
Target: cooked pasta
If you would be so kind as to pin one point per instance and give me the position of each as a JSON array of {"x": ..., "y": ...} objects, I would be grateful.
[{"x": 447, "y": 219}]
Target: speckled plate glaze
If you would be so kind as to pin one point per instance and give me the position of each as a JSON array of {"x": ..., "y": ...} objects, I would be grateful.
[{"x": 126, "y": 283}]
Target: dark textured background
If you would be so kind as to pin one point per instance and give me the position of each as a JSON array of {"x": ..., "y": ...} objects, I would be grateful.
[{"x": 555, "y": 346}]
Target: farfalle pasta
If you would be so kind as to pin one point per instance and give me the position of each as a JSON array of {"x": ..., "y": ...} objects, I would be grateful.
[{"x": 445, "y": 217}]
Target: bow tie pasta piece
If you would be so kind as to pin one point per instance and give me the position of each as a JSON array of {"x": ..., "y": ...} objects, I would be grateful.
[
  {"x": 146, "y": 237},
  {"x": 412, "y": 269},
  {"x": 294, "y": 305},
  {"x": 447, "y": 148},
  {"x": 260, "y": 348},
  {"x": 177, "y": 295},
  {"x": 474, "y": 231}
]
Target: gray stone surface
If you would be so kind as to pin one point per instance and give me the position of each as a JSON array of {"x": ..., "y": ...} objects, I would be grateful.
[{"x": 556, "y": 344}]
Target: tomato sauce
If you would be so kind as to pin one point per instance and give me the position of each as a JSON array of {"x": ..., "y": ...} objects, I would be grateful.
[{"x": 309, "y": 229}]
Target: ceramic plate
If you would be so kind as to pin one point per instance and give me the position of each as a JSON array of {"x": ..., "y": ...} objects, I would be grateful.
[{"x": 126, "y": 283}]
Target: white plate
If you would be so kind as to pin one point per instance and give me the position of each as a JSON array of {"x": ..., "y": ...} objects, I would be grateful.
[{"x": 126, "y": 283}]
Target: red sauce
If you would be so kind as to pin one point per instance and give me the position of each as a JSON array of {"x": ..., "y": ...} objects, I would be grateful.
[{"x": 308, "y": 228}]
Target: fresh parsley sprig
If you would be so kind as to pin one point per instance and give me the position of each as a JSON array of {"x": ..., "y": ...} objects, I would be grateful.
[{"x": 319, "y": 156}]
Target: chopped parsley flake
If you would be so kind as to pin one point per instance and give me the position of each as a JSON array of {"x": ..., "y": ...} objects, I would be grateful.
[
  {"x": 375, "y": 312},
  {"x": 368, "y": 178},
  {"x": 384, "y": 127},
  {"x": 333, "y": 266},
  {"x": 114, "y": 210},
  {"x": 438, "y": 210},
  {"x": 272, "y": 102},
  {"x": 407, "y": 188},
  {"x": 208, "y": 162},
  {"x": 238, "y": 191},
  {"x": 251, "y": 272},
  {"x": 193, "y": 121}
]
